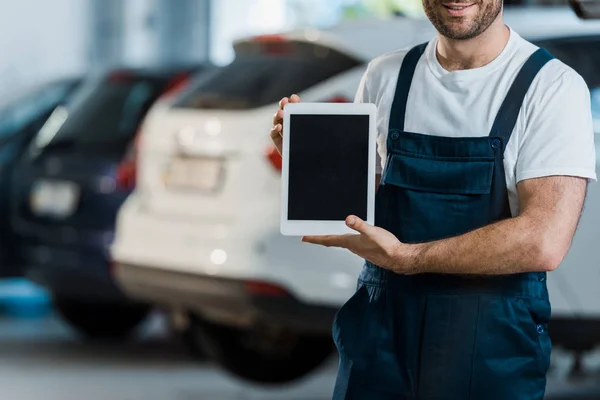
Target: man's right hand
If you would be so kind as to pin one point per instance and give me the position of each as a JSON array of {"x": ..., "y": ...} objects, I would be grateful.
[{"x": 277, "y": 130}]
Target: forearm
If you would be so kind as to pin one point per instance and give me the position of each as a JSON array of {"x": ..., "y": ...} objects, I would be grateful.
[
  {"x": 509, "y": 246},
  {"x": 537, "y": 240}
]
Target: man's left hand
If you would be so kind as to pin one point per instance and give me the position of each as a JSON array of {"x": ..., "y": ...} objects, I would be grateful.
[{"x": 372, "y": 243}]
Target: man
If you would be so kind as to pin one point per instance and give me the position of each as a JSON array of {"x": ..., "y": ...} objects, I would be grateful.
[{"x": 487, "y": 147}]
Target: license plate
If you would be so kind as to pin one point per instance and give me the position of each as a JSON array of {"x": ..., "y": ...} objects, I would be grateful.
[
  {"x": 54, "y": 198},
  {"x": 195, "y": 173}
]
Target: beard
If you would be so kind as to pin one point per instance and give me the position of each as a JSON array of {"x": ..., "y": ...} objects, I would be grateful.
[{"x": 462, "y": 28}]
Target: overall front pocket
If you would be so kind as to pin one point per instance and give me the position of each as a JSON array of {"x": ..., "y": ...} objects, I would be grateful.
[
  {"x": 512, "y": 353},
  {"x": 430, "y": 198},
  {"x": 447, "y": 175}
]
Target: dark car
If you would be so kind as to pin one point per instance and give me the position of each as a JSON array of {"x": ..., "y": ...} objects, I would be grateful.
[
  {"x": 20, "y": 119},
  {"x": 68, "y": 187}
]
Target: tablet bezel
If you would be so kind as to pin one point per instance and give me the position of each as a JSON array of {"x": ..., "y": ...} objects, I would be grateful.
[{"x": 311, "y": 227}]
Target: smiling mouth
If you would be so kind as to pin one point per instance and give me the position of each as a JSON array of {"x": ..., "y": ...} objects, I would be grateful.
[{"x": 457, "y": 7}]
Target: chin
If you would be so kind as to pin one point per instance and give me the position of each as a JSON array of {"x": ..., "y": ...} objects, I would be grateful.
[{"x": 453, "y": 31}]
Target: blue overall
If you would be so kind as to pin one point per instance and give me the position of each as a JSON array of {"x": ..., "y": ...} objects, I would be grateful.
[{"x": 443, "y": 337}]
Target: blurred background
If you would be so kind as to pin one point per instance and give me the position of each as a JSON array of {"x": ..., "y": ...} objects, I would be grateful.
[{"x": 140, "y": 253}]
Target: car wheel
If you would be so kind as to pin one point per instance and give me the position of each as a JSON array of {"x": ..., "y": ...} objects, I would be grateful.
[
  {"x": 193, "y": 343},
  {"x": 101, "y": 321},
  {"x": 259, "y": 356}
]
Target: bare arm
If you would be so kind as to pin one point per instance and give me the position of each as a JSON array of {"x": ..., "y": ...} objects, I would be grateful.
[{"x": 537, "y": 240}]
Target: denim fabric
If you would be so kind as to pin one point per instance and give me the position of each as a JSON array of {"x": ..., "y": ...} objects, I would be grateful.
[{"x": 444, "y": 337}]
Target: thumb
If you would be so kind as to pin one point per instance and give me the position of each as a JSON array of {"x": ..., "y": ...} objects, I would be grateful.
[{"x": 358, "y": 225}]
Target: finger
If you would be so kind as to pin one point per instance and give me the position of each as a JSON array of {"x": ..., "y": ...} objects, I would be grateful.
[
  {"x": 276, "y": 131},
  {"x": 321, "y": 240},
  {"x": 359, "y": 225},
  {"x": 328, "y": 240},
  {"x": 295, "y": 98},
  {"x": 278, "y": 117},
  {"x": 283, "y": 102}
]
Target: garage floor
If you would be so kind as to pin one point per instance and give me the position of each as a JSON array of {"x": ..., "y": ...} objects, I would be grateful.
[{"x": 42, "y": 360}]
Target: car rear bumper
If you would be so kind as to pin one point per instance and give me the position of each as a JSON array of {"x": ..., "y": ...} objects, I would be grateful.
[
  {"x": 313, "y": 274},
  {"x": 71, "y": 272},
  {"x": 227, "y": 301}
]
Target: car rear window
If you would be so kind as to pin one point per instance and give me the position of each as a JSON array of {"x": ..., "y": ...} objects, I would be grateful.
[
  {"x": 580, "y": 53},
  {"x": 262, "y": 73},
  {"x": 105, "y": 112},
  {"x": 18, "y": 113},
  {"x": 583, "y": 55}
]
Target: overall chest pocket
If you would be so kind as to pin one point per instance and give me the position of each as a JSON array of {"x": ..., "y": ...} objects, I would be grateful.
[{"x": 437, "y": 197}]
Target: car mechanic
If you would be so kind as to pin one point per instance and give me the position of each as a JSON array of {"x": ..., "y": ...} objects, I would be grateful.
[{"x": 486, "y": 148}]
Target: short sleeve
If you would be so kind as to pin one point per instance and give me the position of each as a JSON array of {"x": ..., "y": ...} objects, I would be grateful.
[
  {"x": 364, "y": 96},
  {"x": 362, "y": 93},
  {"x": 558, "y": 138}
]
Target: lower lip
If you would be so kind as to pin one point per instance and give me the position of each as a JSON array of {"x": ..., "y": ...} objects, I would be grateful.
[{"x": 458, "y": 12}]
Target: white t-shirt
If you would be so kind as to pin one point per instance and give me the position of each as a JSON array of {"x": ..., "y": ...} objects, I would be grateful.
[{"x": 554, "y": 132}]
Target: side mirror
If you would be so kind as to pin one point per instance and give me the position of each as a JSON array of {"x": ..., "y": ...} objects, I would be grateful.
[{"x": 586, "y": 9}]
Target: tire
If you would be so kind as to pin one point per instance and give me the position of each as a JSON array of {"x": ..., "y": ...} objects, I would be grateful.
[
  {"x": 194, "y": 345},
  {"x": 231, "y": 349},
  {"x": 101, "y": 321}
]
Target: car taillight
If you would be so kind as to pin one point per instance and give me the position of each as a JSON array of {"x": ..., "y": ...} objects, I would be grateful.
[
  {"x": 272, "y": 44},
  {"x": 126, "y": 173},
  {"x": 338, "y": 99},
  {"x": 258, "y": 288},
  {"x": 176, "y": 84},
  {"x": 274, "y": 157},
  {"x": 268, "y": 38}
]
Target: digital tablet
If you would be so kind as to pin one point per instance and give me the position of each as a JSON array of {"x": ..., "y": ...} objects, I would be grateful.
[{"x": 328, "y": 170}]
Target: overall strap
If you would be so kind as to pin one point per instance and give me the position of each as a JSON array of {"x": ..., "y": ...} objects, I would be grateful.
[
  {"x": 509, "y": 111},
  {"x": 409, "y": 64}
]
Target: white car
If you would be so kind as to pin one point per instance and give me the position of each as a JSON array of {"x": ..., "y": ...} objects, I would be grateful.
[{"x": 200, "y": 234}]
